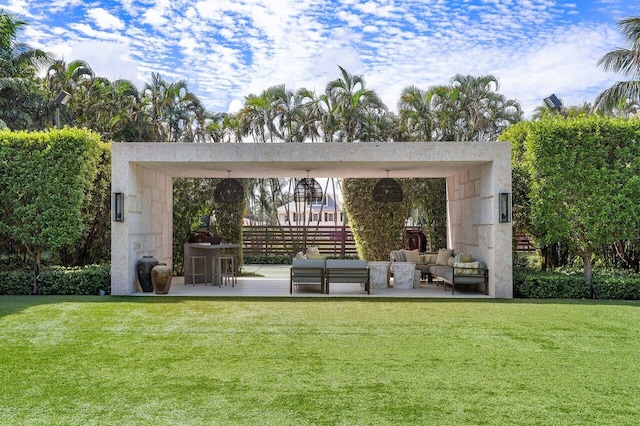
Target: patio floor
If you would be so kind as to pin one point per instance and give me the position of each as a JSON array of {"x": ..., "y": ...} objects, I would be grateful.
[{"x": 274, "y": 282}]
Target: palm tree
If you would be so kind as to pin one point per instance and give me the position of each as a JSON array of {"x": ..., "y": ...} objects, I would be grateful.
[
  {"x": 256, "y": 116},
  {"x": 175, "y": 114},
  {"x": 308, "y": 114},
  {"x": 234, "y": 128},
  {"x": 483, "y": 113},
  {"x": 128, "y": 123},
  {"x": 76, "y": 78},
  {"x": 21, "y": 103},
  {"x": 625, "y": 62},
  {"x": 353, "y": 102},
  {"x": 468, "y": 109},
  {"x": 417, "y": 117}
]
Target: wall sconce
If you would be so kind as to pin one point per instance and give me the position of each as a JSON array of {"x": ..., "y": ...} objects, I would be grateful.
[
  {"x": 118, "y": 207},
  {"x": 505, "y": 207}
]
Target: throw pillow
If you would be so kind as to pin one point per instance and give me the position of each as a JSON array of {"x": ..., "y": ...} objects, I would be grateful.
[
  {"x": 412, "y": 256},
  {"x": 443, "y": 256},
  {"x": 466, "y": 268},
  {"x": 316, "y": 256},
  {"x": 398, "y": 256},
  {"x": 299, "y": 255},
  {"x": 463, "y": 258},
  {"x": 428, "y": 259},
  {"x": 313, "y": 251},
  {"x": 451, "y": 261}
]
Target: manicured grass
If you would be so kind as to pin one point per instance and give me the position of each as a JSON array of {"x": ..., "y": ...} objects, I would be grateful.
[{"x": 152, "y": 360}]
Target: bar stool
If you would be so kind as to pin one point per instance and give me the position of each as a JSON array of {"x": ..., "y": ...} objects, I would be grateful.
[
  {"x": 226, "y": 269},
  {"x": 194, "y": 274}
]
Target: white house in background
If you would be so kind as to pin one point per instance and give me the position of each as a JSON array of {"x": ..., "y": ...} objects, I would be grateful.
[{"x": 326, "y": 212}]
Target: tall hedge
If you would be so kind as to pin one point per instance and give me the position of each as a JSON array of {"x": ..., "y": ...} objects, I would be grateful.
[
  {"x": 582, "y": 177},
  {"x": 45, "y": 181},
  {"x": 229, "y": 218},
  {"x": 377, "y": 227}
]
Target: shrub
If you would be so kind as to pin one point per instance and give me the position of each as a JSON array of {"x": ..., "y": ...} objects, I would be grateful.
[
  {"x": 84, "y": 281},
  {"x": 570, "y": 284},
  {"x": 267, "y": 260},
  {"x": 531, "y": 284},
  {"x": 58, "y": 280},
  {"x": 616, "y": 285},
  {"x": 16, "y": 282}
]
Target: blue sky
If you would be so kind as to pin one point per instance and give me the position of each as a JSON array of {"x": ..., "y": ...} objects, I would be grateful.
[{"x": 228, "y": 49}]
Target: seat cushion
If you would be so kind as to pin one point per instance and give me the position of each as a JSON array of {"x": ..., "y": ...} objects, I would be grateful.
[
  {"x": 340, "y": 263},
  {"x": 422, "y": 268},
  {"x": 347, "y": 271},
  {"x": 442, "y": 271}
]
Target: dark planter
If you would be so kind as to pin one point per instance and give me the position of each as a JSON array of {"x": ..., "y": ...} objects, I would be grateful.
[
  {"x": 161, "y": 278},
  {"x": 143, "y": 269}
]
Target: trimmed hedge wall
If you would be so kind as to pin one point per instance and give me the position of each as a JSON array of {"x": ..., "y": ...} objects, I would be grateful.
[
  {"x": 58, "y": 280},
  {"x": 529, "y": 284}
]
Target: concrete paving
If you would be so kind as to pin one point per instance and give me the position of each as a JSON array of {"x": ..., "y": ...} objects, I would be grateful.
[{"x": 274, "y": 282}]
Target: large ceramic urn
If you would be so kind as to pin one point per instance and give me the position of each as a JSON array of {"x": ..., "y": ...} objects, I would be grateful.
[
  {"x": 161, "y": 278},
  {"x": 143, "y": 269}
]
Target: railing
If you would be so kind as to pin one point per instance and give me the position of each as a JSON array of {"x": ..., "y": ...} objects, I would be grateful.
[{"x": 335, "y": 241}]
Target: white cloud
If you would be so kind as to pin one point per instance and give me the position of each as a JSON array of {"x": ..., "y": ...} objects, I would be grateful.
[
  {"x": 110, "y": 60},
  {"x": 104, "y": 19},
  {"x": 156, "y": 15},
  {"x": 227, "y": 49},
  {"x": 17, "y": 7}
]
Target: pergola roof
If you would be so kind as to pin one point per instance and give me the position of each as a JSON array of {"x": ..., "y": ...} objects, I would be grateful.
[{"x": 401, "y": 159}]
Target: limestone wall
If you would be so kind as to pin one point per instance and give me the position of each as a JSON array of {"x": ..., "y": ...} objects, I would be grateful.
[
  {"x": 147, "y": 229},
  {"x": 474, "y": 228}
]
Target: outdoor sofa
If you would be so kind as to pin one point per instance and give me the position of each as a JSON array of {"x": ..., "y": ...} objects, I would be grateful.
[
  {"x": 445, "y": 266},
  {"x": 326, "y": 272}
]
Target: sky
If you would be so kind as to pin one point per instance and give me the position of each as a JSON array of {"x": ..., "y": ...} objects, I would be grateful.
[{"x": 228, "y": 49}]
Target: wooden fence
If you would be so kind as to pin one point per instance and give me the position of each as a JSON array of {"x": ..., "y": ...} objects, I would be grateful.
[
  {"x": 522, "y": 243},
  {"x": 335, "y": 241}
]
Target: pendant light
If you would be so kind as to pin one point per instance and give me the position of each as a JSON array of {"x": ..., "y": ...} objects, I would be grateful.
[
  {"x": 388, "y": 190},
  {"x": 228, "y": 191},
  {"x": 308, "y": 189}
]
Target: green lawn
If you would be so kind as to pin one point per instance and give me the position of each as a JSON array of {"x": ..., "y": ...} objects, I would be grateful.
[{"x": 153, "y": 360}]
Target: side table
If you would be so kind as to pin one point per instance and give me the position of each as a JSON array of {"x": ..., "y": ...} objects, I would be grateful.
[
  {"x": 403, "y": 273},
  {"x": 379, "y": 274}
]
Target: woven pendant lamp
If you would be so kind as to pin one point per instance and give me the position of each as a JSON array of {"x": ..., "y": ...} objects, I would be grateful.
[
  {"x": 308, "y": 189},
  {"x": 388, "y": 190},
  {"x": 228, "y": 191}
]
